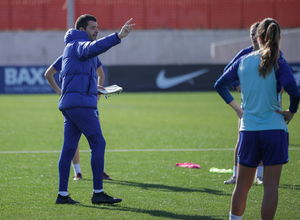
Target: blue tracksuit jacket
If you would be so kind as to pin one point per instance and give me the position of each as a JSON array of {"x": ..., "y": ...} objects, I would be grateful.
[{"x": 79, "y": 65}]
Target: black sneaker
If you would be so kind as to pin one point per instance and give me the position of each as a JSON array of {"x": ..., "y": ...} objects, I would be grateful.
[
  {"x": 102, "y": 197},
  {"x": 65, "y": 200}
]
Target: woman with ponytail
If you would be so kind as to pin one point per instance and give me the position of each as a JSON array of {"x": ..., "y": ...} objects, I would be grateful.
[
  {"x": 263, "y": 128},
  {"x": 269, "y": 34}
]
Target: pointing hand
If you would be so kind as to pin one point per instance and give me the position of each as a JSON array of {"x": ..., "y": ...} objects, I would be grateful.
[{"x": 126, "y": 29}]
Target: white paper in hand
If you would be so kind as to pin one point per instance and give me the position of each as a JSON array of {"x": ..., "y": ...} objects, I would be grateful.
[{"x": 111, "y": 90}]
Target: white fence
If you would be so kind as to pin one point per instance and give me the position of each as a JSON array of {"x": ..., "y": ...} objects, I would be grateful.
[{"x": 155, "y": 47}]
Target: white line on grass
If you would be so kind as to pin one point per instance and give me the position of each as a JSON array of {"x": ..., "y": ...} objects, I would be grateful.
[{"x": 129, "y": 150}]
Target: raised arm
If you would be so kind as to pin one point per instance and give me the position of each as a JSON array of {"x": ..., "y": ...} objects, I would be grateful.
[{"x": 87, "y": 49}]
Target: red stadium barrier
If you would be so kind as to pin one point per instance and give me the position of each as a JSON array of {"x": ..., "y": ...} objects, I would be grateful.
[
  {"x": 149, "y": 14},
  {"x": 103, "y": 10},
  {"x": 26, "y": 15},
  {"x": 287, "y": 13},
  {"x": 227, "y": 14},
  {"x": 254, "y": 13},
  {"x": 123, "y": 10},
  {"x": 194, "y": 14},
  {"x": 4, "y": 15},
  {"x": 55, "y": 13},
  {"x": 161, "y": 14}
]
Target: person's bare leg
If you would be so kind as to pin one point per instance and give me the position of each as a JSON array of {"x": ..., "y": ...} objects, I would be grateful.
[
  {"x": 76, "y": 156},
  {"x": 76, "y": 165},
  {"x": 271, "y": 180},
  {"x": 236, "y": 150},
  {"x": 239, "y": 196},
  {"x": 232, "y": 179},
  {"x": 259, "y": 173},
  {"x": 237, "y": 145}
]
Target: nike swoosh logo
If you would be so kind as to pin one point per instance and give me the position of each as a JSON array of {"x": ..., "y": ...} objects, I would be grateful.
[{"x": 165, "y": 83}]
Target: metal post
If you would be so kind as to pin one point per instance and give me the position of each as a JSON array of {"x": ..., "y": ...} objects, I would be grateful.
[{"x": 70, "y": 14}]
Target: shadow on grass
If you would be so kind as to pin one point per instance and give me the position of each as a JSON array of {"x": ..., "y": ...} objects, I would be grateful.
[
  {"x": 86, "y": 179},
  {"x": 287, "y": 186},
  {"x": 283, "y": 186},
  {"x": 154, "y": 213},
  {"x": 161, "y": 187}
]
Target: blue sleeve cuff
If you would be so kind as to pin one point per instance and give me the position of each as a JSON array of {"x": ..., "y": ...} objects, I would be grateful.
[
  {"x": 293, "y": 91},
  {"x": 235, "y": 84},
  {"x": 221, "y": 87},
  {"x": 118, "y": 36}
]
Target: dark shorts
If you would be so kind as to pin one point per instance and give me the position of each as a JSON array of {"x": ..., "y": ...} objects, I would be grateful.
[{"x": 270, "y": 146}]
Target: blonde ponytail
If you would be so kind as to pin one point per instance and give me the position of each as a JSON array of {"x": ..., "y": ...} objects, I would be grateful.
[{"x": 269, "y": 32}]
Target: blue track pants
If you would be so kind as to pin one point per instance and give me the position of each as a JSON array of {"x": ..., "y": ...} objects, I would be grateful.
[{"x": 79, "y": 121}]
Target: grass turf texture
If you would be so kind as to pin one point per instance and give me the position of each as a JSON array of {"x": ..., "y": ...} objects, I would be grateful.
[{"x": 146, "y": 134}]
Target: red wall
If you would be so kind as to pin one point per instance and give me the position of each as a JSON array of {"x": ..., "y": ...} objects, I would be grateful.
[{"x": 149, "y": 14}]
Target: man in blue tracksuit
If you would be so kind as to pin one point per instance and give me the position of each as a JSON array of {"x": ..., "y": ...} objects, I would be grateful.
[{"x": 78, "y": 102}]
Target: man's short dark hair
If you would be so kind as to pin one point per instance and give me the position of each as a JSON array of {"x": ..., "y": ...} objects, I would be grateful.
[{"x": 83, "y": 20}]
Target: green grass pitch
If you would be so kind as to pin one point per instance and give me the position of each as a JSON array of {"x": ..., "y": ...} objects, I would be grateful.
[{"x": 146, "y": 134}]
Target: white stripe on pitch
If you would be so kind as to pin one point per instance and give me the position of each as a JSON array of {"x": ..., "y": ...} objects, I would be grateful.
[{"x": 132, "y": 150}]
